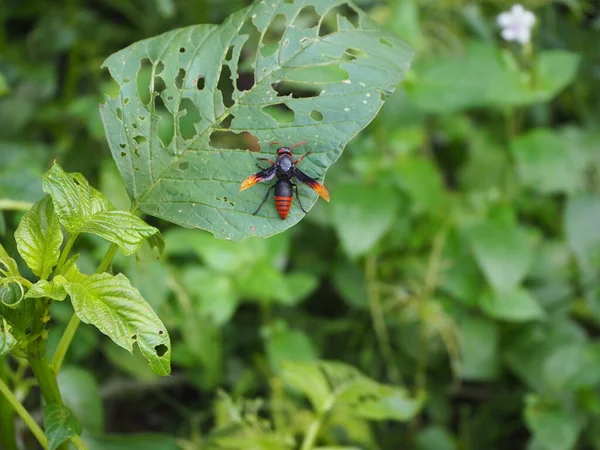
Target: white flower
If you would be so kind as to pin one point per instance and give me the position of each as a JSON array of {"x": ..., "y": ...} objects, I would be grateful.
[{"x": 517, "y": 24}]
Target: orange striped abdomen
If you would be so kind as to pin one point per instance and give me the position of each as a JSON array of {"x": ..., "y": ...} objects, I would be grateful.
[{"x": 283, "y": 205}]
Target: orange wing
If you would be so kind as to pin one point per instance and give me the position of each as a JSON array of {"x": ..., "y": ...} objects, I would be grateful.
[
  {"x": 314, "y": 184},
  {"x": 263, "y": 175}
]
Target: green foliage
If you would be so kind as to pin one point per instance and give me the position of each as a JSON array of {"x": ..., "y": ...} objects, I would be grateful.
[
  {"x": 174, "y": 170},
  {"x": 60, "y": 424}
]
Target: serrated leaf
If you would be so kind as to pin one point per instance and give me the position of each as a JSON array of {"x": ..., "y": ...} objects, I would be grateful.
[
  {"x": 39, "y": 238},
  {"x": 172, "y": 164},
  {"x": 59, "y": 424},
  {"x": 121, "y": 228},
  {"x": 118, "y": 310},
  {"x": 83, "y": 209},
  {"x": 51, "y": 289},
  {"x": 7, "y": 340}
]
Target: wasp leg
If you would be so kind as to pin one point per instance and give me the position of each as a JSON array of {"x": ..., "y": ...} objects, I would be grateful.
[
  {"x": 298, "y": 198},
  {"x": 300, "y": 159},
  {"x": 264, "y": 200},
  {"x": 266, "y": 159}
]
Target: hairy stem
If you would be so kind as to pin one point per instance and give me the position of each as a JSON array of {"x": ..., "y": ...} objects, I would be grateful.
[
  {"x": 23, "y": 414},
  {"x": 7, "y": 413}
]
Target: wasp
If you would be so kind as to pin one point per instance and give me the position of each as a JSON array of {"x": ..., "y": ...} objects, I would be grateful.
[{"x": 285, "y": 169}]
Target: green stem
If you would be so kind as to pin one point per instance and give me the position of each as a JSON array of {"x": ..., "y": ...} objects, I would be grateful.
[
  {"x": 65, "y": 252},
  {"x": 7, "y": 413},
  {"x": 108, "y": 257},
  {"x": 23, "y": 414},
  {"x": 78, "y": 443},
  {"x": 65, "y": 342},
  {"x": 313, "y": 430}
]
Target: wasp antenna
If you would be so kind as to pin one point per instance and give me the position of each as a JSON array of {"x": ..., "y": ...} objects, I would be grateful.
[{"x": 298, "y": 144}]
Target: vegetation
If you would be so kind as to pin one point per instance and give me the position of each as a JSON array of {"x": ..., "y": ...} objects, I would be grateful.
[{"x": 446, "y": 298}]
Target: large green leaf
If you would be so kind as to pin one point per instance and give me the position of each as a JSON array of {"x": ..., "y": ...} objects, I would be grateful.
[
  {"x": 169, "y": 130},
  {"x": 39, "y": 238},
  {"x": 60, "y": 424},
  {"x": 118, "y": 310}
]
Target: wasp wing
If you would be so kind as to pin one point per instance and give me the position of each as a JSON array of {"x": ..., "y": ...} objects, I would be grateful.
[
  {"x": 263, "y": 175},
  {"x": 314, "y": 184}
]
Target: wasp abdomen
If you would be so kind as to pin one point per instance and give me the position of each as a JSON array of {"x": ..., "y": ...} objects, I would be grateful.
[{"x": 283, "y": 197}]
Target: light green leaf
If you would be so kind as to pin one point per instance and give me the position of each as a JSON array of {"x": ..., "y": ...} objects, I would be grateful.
[
  {"x": 52, "y": 289},
  {"x": 289, "y": 345},
  {"x": 514, "y": 305},
  {"x": 479, "y": 342},
  {"x": 81, "y": 394},
  {"x": 573, "y": 366},
  {"x": 503, "y": 251},
  {"x": 340, "y": 386},
  {"x": 362, "y": 214},
  {"x": 39, "y": 238},
  {"x": 83, "y": 209},
  {"x": 7, "y": 340},
  {"x": 8, "y": 266},
  {"x": 121, "y": 228},
  {"x": 545, "y": 162},
  {"x": 555, "y": 425},
  {"x": 60, "y": 424},
  {"x": 581, "y": 219},
  {"x": 214, "y": 294},
  {"x": 118, "y": 310},
  {"x": 171, "y": 138}
]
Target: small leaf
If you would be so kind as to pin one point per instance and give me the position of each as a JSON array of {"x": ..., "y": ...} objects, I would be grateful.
[
  {"x": 362, "y": 214},
  {"x": 120, "y": 227},
  {"x": 51, "y": 289},
  {"x": 178, "y": 163},
  {"x": 118, "y": 310},
  {"x": 514, "y": 305},
  {"x": 308, "y": 379},
  {"x": 60, "y": 424},
  {"x": 503, "y": 251},
  {"x": 7, "y": 340},
  {"x": 289, "y": 345},
  {"x": 39, "y": 238}
]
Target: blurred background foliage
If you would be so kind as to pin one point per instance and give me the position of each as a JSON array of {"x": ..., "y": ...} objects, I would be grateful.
[{"x": 458, "y": 257}]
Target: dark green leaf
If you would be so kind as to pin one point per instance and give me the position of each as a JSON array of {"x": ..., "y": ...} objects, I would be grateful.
[
  {"x": 117, "y": 309},
  {"x": 183, "y": 173},
  {"x": 39, "y": 238},
  {"x": 60, "y": 424}
]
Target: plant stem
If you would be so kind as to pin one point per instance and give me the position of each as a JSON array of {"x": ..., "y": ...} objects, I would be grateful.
[
  {"x": 378, "y": 318},
  {"x": 65, "y": 252},
  {"x": 108, "y": 257},
  {"x": 7, "y": 413},
  {"x": 77, "y": 443},
  {"x": 313, "y": 431},
  {"x": 65, "y": 342},
  {"x": 23, "y": 414}
]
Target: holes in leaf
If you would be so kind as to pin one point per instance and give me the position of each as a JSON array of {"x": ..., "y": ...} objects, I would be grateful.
[
  {"x": 126, "y": 100},
  {"x": 231, "y": 140},
  {"x": 159, "y": 84},
  {"x": 340, "y": 17},
  {"x": 161, "y": 350},
  {"x": 245, "y": 81},
  {"x": 123, "y": 154},
  {"x": 296, "y": 90},
  {"x": 281, "y": 112},
  {"x": 119, "y": 112},
  {"x": 225, "y": 86},
  {"x": 200, "y": 83},
  {"x": 269, "y": 49},
  {"x": 136, "y": 152},
  {"x": 139, "y": 140},
  {"x": 134, "y": 337},
  {"x": 225, "y": 200},
  {"x": 159, "y": 68},
  {"x": 165, "y": 129},
  {"x": 386, "y": 42},
  {"x": 182, "y": 166},
  {"x": 229, "y": 54},
  {"x": 315, "y": 115},
  {"x": 226, "y": 122},
  {"x": 161, "y": 332},
  {"x": 122, "y": 145},
  {"x": 179, "y": 79},
  {"x": 182, "y": 50},
  {"x": 142, "y": 81},
  {"x": 188, "y": 116},
  {"x": 353, "y": 53},
  {"x": 273, "y": 35},
  {"x": 307, "y": 18}
]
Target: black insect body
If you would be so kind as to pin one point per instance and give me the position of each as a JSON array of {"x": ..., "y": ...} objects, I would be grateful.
[{"x": 284, "y": 168}]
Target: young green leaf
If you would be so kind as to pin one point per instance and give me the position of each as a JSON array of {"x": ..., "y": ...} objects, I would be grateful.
[
  {"x": 51, "y": 289},
  {"x": 8, "y": 266},
  {"x": 118, "y": 310},
  {"x": 83, "y": 209},
  {"x": 172, "y": 140},
  {"x": 338, "y": 385},
  {"x": 7, "y": 340},
  {"x": 39, "y": 238},
  {"x": 60, "y": 424}
]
